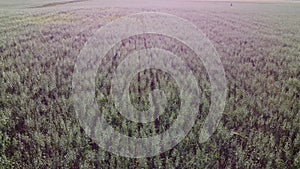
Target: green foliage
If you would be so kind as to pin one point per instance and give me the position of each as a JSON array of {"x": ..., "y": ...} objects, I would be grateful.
[{"x": 38, "y": 127}]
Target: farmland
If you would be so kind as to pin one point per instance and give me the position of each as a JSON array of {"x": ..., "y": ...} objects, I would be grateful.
[{"x": 259, "y": 47}]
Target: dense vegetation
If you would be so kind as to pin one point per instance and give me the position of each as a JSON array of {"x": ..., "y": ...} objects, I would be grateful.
[{"x": 261, "y": 122}]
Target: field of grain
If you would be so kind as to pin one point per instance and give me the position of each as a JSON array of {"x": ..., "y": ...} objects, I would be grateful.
[{"x": 258, "y": 44}]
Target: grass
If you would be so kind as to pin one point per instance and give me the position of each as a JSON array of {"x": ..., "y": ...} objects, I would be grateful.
[{"x": 260, "y": 126}]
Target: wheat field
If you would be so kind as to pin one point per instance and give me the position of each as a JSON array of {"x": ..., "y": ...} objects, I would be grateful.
[{"x": 259, "y": 47}]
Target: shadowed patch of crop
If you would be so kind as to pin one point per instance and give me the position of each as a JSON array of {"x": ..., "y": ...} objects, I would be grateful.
[{"x": 58, "y": 3}]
